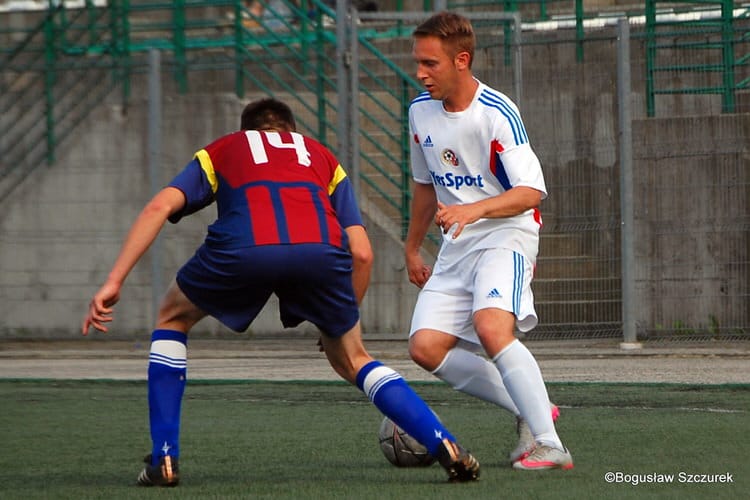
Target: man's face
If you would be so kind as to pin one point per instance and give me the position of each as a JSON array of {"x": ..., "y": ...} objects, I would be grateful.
[{"x": 436, "y": 69}]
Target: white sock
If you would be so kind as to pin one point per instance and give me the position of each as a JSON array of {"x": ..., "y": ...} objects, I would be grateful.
[
  {"x": 524, "y": 382},
  {"x": 474, "y": 375}
]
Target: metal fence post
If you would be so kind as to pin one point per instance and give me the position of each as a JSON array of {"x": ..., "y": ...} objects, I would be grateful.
[
  {"x": 178, "y": 40},
  {"x": 727, "y": 53},
  {"x": 50, "y": 79},
  {"x": 517, "y": 65},
  {"x": 154, "y": 169},
  {"x": 353, "y": 131},
  {"x": 626, "y": 186},
  {"x": 342, "y": 80}
]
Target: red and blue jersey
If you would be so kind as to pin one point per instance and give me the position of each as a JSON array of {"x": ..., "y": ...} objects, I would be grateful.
[{"x": 270, "y": 188}]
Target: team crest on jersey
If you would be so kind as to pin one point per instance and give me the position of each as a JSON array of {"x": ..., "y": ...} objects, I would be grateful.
[{"x": 449, "y": 158}]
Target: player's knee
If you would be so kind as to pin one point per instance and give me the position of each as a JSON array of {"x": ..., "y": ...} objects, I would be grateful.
[
  {"x": 345, "y": 366},
  {"x": 494, "y": 340},
  {"x": 494, "y": 324},
  {"x": 424, "y": 354},
  {"x": 181, "y": 316},
  {"x": 176, "y": 312}
]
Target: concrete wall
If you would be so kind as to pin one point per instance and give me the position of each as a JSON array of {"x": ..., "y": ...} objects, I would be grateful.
[
  {"x": 692, "y": 206},
  {"x": 62, "y": 228}
]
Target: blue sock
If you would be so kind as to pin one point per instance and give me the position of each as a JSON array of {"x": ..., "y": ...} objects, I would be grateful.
[
  {"x": 167, "y": 370},
  {"x": 396, "y": 400}
]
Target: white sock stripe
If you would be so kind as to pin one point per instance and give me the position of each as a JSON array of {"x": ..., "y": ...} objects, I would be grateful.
[
  {"x": 377, "y": 378},
  {"x": 169, "y": 353},
  {"x": 171, "y": 362},
  {"x": 179, "y": 367},
  {"x": 156, "y": 355},
  {"x": 169, "y": 348},
  {"x": 383, "y": 381},
  {"x": 374, "y": 390}
]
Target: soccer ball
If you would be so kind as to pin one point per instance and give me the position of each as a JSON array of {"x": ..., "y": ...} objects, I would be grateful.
[{"x": 401, "y": 449}]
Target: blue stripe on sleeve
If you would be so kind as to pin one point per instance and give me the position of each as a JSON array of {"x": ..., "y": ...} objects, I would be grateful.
[
  {"x": 501, "y": 174},
  {"x": 516, "y": 125}
]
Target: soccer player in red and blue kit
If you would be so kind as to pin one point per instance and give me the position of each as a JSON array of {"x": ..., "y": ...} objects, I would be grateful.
[{"x": 287, "y": 224}]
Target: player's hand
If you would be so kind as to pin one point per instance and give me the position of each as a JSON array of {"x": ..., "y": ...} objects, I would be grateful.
[
  {"x": 100, "y": 308},
  {"x": 418, "y": 271},
  {"x": 448, "y": 216}
]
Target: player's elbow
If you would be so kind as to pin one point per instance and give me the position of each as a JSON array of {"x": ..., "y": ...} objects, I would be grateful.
[
  {"x": 156, "y": 209},
  {"x": 363, "y": 257},
  {"x": 360, "y": 247},
  {"x": 168, "y": 201},
  {"x": 526, "y": 198}
]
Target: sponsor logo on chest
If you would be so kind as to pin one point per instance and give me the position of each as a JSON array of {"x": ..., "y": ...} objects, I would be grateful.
[{"x": 452, "y": 179}]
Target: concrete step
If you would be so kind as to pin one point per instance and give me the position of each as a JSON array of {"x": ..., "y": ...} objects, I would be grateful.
[
  {"x": 581, "y": 311},
  {"x": 561, "y": 244},
  {"x": 575, "y": 289},
  {"x": 574, "y": 267}
]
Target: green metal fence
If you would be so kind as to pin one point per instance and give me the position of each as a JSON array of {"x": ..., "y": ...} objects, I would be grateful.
[
  {"x": 50, "y": 84},
  {"x": 63, "y": 63},
  {"x": 708, "y": 33},
  {"x": 59, "y": 66},
  {"x": 70, "y": 59}
]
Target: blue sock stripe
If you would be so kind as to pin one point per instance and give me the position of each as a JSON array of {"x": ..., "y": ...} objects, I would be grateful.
[
  {"x": 364, "y": 371},
  {"x": 376, "y": 378},
  {"x": 166, "y": 360},
  {"x": 166, "y": 384},
  {"x": 390, "y": 377},
  {"x": 169, "y": 335},
  {"x": 391, "y": 394}
]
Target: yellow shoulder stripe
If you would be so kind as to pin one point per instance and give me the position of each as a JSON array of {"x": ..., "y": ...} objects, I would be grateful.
[
  {"x": 208, "y": 167},
  {"x": 338, "y": 176}
]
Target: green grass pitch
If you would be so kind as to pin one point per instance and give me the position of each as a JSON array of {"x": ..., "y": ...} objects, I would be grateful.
[{"x": 296, "y": 440}]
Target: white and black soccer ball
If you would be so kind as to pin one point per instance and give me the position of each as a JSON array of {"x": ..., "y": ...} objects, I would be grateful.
[{"x": 400, "y": 448}]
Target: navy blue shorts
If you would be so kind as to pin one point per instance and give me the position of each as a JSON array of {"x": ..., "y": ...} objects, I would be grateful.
[{"x": 312, "y": 281}]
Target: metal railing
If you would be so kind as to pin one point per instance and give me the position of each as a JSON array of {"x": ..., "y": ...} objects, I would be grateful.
[
  {"x": 711, "y": 32},
  {"x": 50, "y": 87},
  {"x": 691, "y": 261},
  {"x": 290, "y": 50},
  {"x": 57, "y": 71},
  {"x": 287, "y": 49}
]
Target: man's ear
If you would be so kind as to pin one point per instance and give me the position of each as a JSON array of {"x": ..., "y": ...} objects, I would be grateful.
[{"x": 462, "y": 60}]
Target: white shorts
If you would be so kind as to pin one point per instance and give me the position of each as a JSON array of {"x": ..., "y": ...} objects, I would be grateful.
[{"x": 490, "y": 278}]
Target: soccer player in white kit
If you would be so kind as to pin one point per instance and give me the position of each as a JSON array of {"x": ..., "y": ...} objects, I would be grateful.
[{"x": 476, "y": 177}]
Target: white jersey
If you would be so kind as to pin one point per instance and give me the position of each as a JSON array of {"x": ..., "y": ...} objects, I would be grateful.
[{"x": 472, "y": 155}]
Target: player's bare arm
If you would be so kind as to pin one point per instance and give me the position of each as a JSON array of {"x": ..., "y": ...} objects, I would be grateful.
[
  {"x": 362, "y": 259},
  {"x": 424, "y": 204},
  {"x": 142, "y": 234},
  {"x": 512, "y": 202}
]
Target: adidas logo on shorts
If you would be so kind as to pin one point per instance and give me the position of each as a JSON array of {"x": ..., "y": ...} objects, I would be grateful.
[{"x": 494, "y": 294}]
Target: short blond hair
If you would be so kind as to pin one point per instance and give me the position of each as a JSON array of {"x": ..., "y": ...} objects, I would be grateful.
[{"x": 454, "y": 30}]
